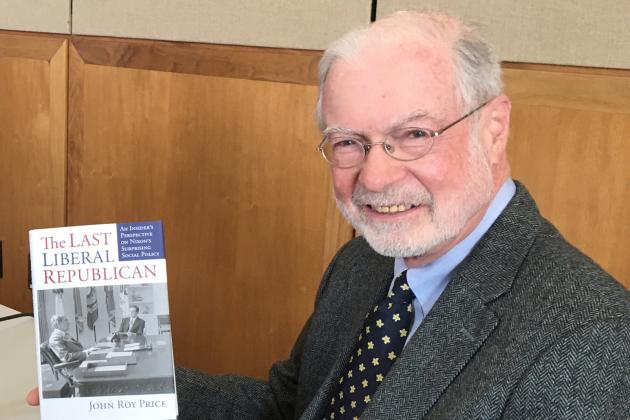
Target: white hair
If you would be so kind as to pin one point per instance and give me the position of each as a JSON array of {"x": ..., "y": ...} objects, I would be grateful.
[
  {"x": 55, "y": 320},
  {"x": 477, "y": 69}
]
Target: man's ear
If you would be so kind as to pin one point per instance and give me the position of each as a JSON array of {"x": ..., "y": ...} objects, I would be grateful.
[{"x": 497, "y": 127}]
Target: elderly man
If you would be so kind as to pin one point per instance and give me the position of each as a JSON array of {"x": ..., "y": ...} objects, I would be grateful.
[
  {"x": 62, "y": 344},
  {"x": 459, "y": 300}
]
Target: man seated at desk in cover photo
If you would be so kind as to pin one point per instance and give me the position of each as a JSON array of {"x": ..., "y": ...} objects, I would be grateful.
[
  {"x": 63, "y": 344},
  {"x": 133, "y": 325},
  {"x": 459, "y": 300}
]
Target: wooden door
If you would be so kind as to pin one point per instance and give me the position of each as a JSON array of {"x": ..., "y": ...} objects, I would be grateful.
[
  {"x": 33, "y": 92},
  {"x": 570, "y": 144},
  {"x": 219, "y": 143}
]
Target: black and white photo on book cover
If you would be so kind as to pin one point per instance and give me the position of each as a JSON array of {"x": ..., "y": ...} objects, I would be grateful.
[{"x": 103, "y": 328}]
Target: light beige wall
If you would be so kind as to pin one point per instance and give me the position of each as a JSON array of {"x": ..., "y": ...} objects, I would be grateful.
[
  {"x": 571, "y": 32},
  {"x": 308, "y": 24},
  {"x": 35, "y": 15}
]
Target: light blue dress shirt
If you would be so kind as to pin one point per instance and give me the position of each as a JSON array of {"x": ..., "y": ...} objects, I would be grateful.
[{"x": 429, "y": 281}]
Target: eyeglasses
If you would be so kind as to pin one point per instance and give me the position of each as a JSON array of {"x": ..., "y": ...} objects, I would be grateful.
[{"x": 345, "y": 150}]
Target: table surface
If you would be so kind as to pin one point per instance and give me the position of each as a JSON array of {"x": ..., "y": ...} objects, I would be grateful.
[
  {"x": 18, "y": 364},
  {"x": 154, "y": 363}
]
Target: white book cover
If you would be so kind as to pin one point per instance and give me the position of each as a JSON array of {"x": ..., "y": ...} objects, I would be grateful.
[{"x": 100, "y": 291}]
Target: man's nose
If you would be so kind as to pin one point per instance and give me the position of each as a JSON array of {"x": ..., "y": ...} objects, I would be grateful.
[{"x": 380, "y": 169}]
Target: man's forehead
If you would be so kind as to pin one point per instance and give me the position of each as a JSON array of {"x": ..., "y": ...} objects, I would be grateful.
[
  {"x": 385, "y": 86},
  {"x": 432, "y": 55}
]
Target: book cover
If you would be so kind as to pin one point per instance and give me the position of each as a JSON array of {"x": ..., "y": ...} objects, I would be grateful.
[{"x": 102, "y": 322}]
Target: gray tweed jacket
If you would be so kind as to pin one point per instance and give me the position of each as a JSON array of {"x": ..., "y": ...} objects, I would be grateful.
[{"x": 528, "y": 328}]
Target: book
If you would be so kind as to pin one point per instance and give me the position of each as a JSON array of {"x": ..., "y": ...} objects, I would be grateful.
[{"x": 100, "y": 296}]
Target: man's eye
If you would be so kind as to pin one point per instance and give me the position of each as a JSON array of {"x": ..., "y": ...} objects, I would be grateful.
[
  {"x": 343, "y": 143},
  {"x": 415, "y": 133},
  {"x": 410, "y": 135}
]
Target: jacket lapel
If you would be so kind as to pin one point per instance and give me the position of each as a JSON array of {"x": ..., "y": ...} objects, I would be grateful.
[
  {"x": 435, "y": 355},
  {"x": 367, "y": 286}
]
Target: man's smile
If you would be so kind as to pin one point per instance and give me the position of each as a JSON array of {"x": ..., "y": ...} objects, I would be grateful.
[{"x": 393, "y": 208}]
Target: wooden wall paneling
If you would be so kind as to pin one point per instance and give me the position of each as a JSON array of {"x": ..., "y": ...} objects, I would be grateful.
[
  {"x": 570, "y": 144},
  {"x": 205, "y": 139},
  {"x": 33, "y": 93},
  {"x": 242, "y": 62}
]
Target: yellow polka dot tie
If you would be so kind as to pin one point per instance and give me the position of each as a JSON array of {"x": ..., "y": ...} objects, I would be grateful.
[{"x": 381, "y": 341}]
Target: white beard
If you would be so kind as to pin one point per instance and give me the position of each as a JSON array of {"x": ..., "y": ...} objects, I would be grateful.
[{"x": 417, "y": 236}]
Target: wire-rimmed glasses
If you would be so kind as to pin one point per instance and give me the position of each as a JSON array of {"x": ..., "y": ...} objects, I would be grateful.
[{"x": 343, "y": 149}]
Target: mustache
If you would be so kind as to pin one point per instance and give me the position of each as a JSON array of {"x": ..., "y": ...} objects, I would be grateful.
[{"x": 391, "y": 195}]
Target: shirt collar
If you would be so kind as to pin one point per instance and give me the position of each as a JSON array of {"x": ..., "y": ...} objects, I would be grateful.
[{"x": 425, "y": 279}]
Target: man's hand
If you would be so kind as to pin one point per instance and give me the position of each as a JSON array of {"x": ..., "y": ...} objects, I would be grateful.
[{"x": 32, "y": 398}]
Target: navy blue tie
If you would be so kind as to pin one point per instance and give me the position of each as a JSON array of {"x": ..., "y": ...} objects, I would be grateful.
[{"x": 380, "y": 343}]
